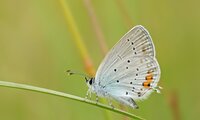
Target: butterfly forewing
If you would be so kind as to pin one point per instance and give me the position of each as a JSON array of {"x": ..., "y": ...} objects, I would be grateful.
[
  {"x": 137, "y": 42},
  {"x": 130, "y": 69}
]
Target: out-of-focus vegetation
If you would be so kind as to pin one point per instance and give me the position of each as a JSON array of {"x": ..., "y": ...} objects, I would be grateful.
[{"x": 37, "y": 46}]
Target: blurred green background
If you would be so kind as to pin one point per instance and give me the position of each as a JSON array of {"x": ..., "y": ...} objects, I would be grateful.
[{"x": 36, "y": 47}]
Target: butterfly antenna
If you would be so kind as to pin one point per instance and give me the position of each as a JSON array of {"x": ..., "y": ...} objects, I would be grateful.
[{"x": 70, "y": 72}]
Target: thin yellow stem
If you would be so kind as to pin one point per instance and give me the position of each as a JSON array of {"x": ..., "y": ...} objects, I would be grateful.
[{"x": 77, "y": 38}]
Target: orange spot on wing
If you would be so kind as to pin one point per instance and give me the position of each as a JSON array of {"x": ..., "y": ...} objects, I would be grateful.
[
  {"x": 146, "y": 84},
  {"x": 149, "y": 77}
]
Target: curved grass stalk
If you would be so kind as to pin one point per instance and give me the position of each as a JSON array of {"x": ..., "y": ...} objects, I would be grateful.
[
  {"x": 96, "y": 26},
  {"x": 65, "y": 95},
  {"x": 125, "y": 16}
]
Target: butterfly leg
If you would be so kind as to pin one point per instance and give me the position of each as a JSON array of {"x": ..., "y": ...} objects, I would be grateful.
[
  {"x": 97, "y": 98},
  {"x": 88, "y": 94},
  {"x": 110, "y": 103}
]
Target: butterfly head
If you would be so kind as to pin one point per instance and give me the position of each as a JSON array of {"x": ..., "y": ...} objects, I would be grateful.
[{"x": 89, "y": 81}]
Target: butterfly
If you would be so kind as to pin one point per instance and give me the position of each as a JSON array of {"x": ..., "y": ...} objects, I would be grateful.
[{"x": 129, "y": 71}]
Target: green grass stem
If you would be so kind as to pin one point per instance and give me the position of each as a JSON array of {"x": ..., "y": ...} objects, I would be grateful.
[{"x": 65, "y": 95}]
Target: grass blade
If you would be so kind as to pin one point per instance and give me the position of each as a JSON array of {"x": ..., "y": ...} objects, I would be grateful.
[{"x": 65, "y": 95}]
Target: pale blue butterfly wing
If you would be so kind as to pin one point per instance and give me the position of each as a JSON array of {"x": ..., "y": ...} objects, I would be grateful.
[
  {"x": 134, "y": 77},
  {"x": 130, "y": 69}
]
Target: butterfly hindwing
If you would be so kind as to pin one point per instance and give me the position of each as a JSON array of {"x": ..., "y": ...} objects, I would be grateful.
[{"x": 134, "y": 77}]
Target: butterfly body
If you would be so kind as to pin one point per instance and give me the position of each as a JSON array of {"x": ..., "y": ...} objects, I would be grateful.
[{"x": 129, "y": 71}]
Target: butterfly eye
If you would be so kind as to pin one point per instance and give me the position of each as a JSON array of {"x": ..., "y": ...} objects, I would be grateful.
[{"x": 90, "y": 82}]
